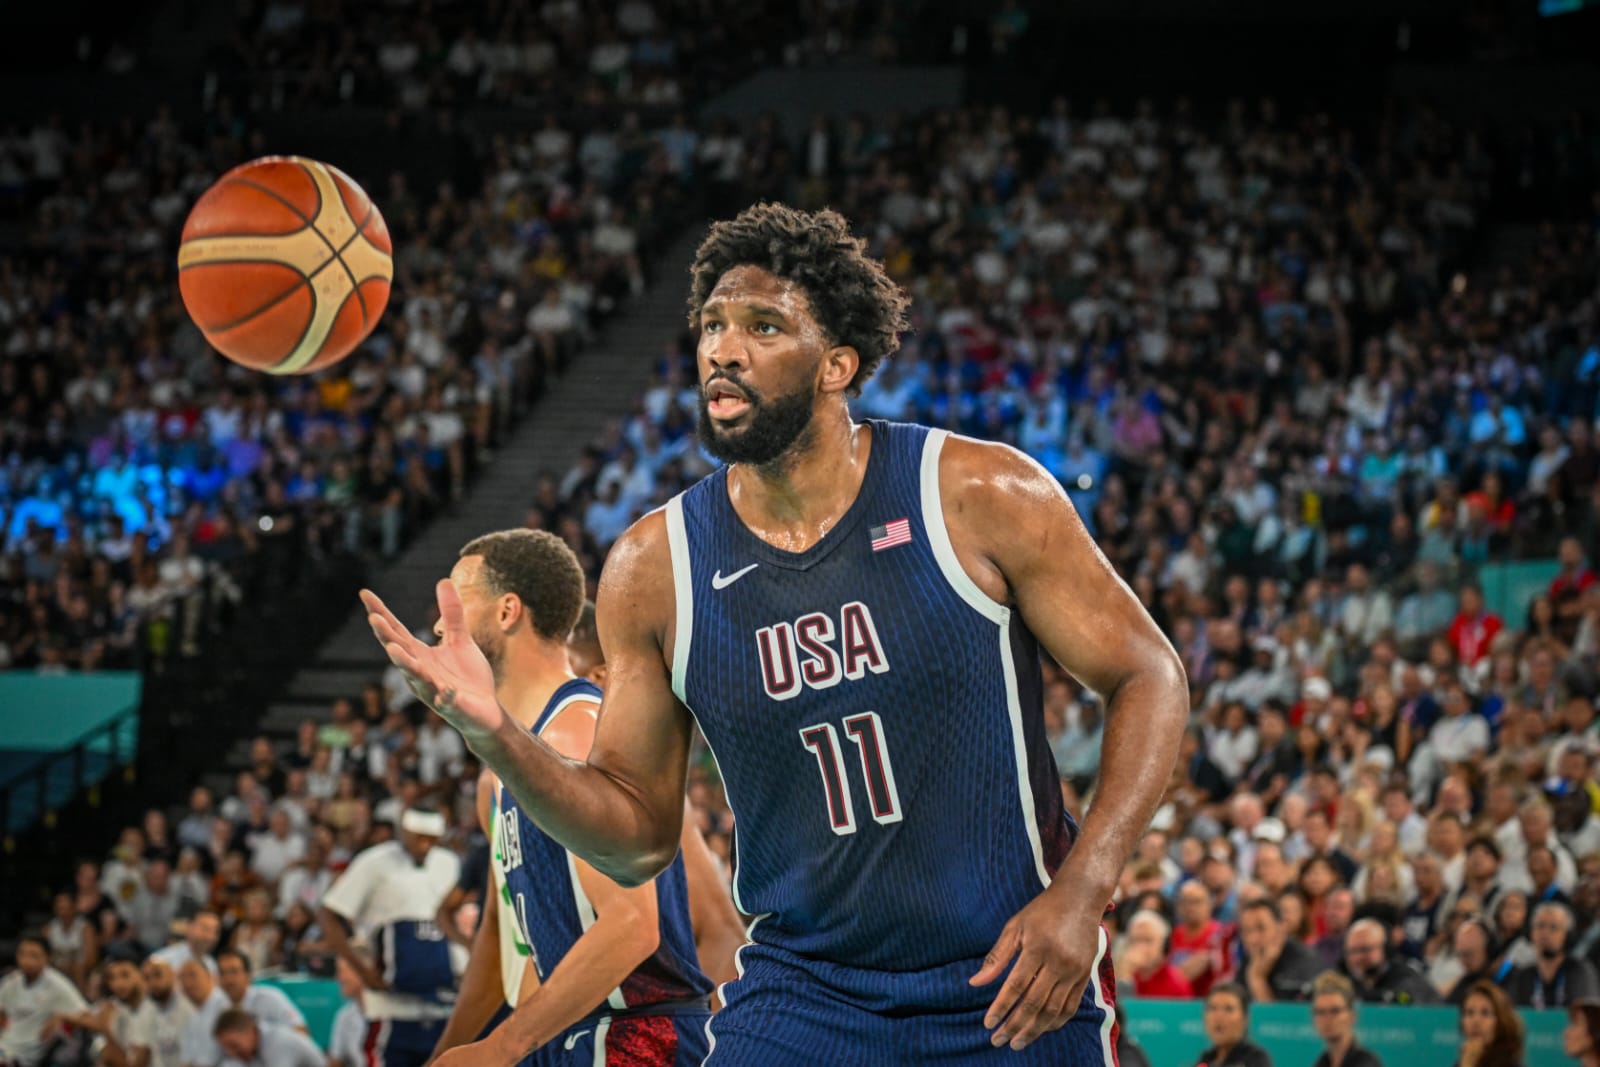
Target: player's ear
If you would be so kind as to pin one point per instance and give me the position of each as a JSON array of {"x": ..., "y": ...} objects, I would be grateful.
[
  {"x": 597, "y": 675},
  {"x": 511, "y": 610},
  {"x": 839, "y": 366}
]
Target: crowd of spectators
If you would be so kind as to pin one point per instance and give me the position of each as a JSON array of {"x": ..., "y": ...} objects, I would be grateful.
[
  {"x": 147, "y": 486},
  {"x": 1260, "y": 355}
]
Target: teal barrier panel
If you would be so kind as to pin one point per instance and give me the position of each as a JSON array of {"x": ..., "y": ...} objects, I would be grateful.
[
  {"x": 1173, "y": 1034},
  {"x": 317, "y": 998},
  {"x": 1508, "y": 588},
  {"x": 50, "y": 712}
]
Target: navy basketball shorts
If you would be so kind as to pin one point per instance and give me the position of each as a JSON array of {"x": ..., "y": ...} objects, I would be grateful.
[{"x": 789, "y": 1011}]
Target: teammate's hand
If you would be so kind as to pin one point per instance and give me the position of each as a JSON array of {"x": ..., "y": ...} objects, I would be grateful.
[
  {"x": 1055, "y": 941},
  {"x": 485, "y": 1053},
  {"x": 453, "y": 677}
]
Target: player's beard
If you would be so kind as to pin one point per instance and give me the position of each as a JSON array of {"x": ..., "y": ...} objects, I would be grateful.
[
  {"x": 768, "y": 430},
  {"x": 492, "y": 643}
]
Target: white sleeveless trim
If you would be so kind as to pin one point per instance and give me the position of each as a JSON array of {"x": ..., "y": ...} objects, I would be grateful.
[
  {"x": 683, "y": 594},
  {"x": 961, "y": 582}
]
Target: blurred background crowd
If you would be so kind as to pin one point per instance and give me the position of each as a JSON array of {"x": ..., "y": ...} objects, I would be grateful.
[{"x": 1302, "y": 396}]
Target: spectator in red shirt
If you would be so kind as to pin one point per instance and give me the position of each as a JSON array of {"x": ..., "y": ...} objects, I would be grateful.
[
  {"x": 1201, "y": 946},
  {"x": 1566, "y": 591},
  {"x": 1473, "y": 629},
  {"x": 1145, "y": 959}
]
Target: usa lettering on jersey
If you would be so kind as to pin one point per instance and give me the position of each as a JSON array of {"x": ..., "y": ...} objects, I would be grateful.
[{"x": 813, "y": 652}]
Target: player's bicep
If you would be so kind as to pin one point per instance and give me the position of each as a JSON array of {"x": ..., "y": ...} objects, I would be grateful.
[
  {"x": 642, "y": 735},
  {"x": 1081, "y": 611}
]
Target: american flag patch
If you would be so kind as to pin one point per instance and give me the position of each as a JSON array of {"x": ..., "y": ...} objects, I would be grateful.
[{"x": 897, "y": 532}]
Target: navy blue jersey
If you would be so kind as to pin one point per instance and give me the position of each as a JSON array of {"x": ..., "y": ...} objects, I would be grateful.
[
  {"x": 553, "y": 911},
  {"x": 414, "y": 957},
  {"x": 878, "y": 721}
]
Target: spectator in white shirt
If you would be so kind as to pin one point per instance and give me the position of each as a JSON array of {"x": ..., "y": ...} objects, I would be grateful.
[
  {"x": 347, "y": 1048},
  {"x": 248, "y": 1040},
  {"x": 124, "y": 1024},
  {"x": 31, "y": 997},
  {"x": 199, "y": 942},
  {"x": 197, "y": 1048},
  {"x": 273, "y": 852},
  {"x": 171, "y": 1013},
  {"x": 153, "y": 909},
  {"x": 439, "y": 750},
  {"x": 1233, "y": 745}
]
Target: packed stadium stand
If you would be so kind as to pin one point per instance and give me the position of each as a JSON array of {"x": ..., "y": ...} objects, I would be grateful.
[{"x": 1323, "y": 382}]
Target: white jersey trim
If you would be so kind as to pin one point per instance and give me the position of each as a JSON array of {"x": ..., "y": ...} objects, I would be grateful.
[
  {"x": 683, "y": 594},
  {"x": 738, "y": 973},
  {"x": 944, "y": 554},
  {"x": 1100, "y": 1002},
  {"x": 586, "y": 914}
]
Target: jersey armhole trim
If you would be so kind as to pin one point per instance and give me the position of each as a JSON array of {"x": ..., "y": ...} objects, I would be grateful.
[
  {"x": 683, "y": 595},
  {"x": 561, "y": 709},
  {"x": 944, "y": 552}
]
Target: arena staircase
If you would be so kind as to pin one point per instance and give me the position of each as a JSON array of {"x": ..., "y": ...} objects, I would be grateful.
[{"x": 603, "y": 383}]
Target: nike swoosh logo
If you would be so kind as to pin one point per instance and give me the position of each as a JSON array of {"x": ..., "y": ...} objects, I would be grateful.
[
  {"x": 572, "y": 1040},
  {"x": 719, "y": 582}
]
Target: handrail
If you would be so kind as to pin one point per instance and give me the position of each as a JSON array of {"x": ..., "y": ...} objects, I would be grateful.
[{"x": 38, "y": 775}]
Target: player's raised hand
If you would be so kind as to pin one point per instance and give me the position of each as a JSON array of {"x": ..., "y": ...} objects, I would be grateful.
[
  {"x": 1055, "y": 941},
  {"x": 453, "y": 677}
]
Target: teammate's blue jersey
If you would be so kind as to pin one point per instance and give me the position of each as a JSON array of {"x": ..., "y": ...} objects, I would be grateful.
[
  {"x": 878, "y": 721},
  {"x": 553, "y": 911}
]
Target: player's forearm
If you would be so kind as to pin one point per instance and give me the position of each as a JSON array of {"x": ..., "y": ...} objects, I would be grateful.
[
  {"x": 588, "y": 812},
  {"x": 1145, "y": 718},
  {"x": 480, "y": 992},
  {"x": 606, "y": 954}
]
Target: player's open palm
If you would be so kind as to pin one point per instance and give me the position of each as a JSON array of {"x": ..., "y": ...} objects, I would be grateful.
[
  {"x": 1054, "y": 941},
  {"x": 452, "y": 677}
]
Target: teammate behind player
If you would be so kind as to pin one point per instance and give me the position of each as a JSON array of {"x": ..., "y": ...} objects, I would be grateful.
[
  {"x": 841, "y": 602},
  {"x": 615, "y": 968},
  {"x": 718, "y": 927}
]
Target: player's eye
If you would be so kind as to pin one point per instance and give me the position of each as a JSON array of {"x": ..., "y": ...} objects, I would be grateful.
[
  {"x": 766, "y": 329},
  {"x": 710, "y": 326}
]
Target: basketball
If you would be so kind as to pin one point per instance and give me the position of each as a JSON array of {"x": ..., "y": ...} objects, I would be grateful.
[{"x": 285, "y": 265}]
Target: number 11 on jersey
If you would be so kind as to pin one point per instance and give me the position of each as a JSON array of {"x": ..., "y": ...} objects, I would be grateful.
[{"x": 866, "y": 732}]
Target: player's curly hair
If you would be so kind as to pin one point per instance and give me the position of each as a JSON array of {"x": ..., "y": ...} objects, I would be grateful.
[
  {"x": 540, "y": 569},
  {"x": 854, "y": 301}
]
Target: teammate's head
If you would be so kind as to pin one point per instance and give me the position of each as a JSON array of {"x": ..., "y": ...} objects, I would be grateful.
[
  {"x": 236, "y": 1031},
  {"x": 421, "y": 827},
  {"x": 789, "y": 306},
  {"x": 517, "y": 582},
  {"x": 233, "y": 973},
  {"x": 122, "y": 978},
  {"x": 33, "y": 955},
  {"x": 159, "y": 980},
  {"x": 584, "y": 654}
]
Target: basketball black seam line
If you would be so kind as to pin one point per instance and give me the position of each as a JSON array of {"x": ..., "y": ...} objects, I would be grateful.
[
  {"x": 310, "y": 224},
  {"x": 264, "y": 308},
  {"x": 360, "y": 226}
]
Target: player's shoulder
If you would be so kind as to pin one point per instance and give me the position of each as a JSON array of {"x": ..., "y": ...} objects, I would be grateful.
[
  {"x": 990, "y": 471},
  {"x": 636, "y": 582}
]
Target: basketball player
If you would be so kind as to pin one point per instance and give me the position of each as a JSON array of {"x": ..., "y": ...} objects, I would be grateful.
[
  {"x": 854, "y": 614},
  {"x": 614, "y": 972},
  {"x": 718, "y": 927}
]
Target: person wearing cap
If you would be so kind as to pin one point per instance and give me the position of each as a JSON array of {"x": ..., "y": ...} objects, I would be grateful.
[{"x": 389, "y": 895}]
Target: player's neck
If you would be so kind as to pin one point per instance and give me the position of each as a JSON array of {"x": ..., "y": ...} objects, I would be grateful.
[
  {"x": 800, "y": 498},
  {"x": 533, "y": 670}
]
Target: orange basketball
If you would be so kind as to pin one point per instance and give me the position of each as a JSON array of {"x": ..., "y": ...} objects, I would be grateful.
[{"x": 285, "y": 265}]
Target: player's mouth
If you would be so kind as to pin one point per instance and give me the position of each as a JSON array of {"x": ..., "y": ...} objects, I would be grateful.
[{"x": 725, "y": 401}]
